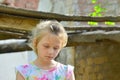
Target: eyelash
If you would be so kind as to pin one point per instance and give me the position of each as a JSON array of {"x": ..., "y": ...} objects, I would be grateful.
[
  {"x": 48, "y": 47},
  {"x": 55, "y": 48}
]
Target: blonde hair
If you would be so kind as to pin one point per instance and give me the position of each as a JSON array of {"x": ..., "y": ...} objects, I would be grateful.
[{"x": 44, "y": 27}]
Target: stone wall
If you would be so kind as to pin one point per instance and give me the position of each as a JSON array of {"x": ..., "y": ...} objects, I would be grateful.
[
  {"x": 25, "y": 4},
  {"x": 98, "y": 61},
  {"x": 84, "y": 7}
]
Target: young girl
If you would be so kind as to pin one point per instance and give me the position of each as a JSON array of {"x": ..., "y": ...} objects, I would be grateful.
[{"x": 49, "y": 37}]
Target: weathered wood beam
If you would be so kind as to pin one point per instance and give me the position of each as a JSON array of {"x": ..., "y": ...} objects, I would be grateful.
[
  {"x": 86, "y": 28},
  {"x": 74, "y": 39},
  {"x": 24, "y": 33},
  {"x": 4, "y": 36},
  {"x": 13, "y": 33},
  {"x": 18, "y": 46},
  {"x": 17, "y": 22},
  {"x": 59, "y": 17},
  {"x": 14, "y": 47}
]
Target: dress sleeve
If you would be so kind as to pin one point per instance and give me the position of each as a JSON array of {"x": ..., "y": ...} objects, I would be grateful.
[
  {"x": 23, "y": 70},
  {"x": 70, "y": 70}
]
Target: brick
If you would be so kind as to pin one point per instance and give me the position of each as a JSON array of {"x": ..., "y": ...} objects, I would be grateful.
[
  {"x": 92, "y": 76},
  {"x": 26, "y": 4},
  {"x": 32, "y": 4},
  {"x": 20, "y": 3},
  {"x": 88, "y": 69},
  {"x": 90, "y": 61},
  {"x": 81, "y": 70},
  {"x": 96, "y": 68},
  {"x": 99, "y": 60},
  {"x": 100, "y": 77},
  {"x": 85, "y": 76},
  {"x": 82, "y": 63},
  {"x": 9, "y": 2}
]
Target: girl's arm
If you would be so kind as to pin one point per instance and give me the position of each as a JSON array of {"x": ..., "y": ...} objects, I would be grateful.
[{"x": 19, "y": 76}]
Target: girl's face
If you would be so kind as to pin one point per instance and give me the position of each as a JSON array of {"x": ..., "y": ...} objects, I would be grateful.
[{"x": 48, "y": 47}]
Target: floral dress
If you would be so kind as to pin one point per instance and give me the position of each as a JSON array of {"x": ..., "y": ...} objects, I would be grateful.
[{"x": 32, "y": 72}]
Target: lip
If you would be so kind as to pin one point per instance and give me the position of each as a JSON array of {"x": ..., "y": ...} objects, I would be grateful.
[{"x": 49, "y": 57}]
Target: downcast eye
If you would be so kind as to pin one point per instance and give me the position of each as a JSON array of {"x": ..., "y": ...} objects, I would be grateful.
[
  {"x": 46, "y": 46},
  {"x": 55, "y": 48}
]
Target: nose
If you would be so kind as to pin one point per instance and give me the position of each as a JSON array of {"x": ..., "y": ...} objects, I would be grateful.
[{"x": 51, "y": 51}]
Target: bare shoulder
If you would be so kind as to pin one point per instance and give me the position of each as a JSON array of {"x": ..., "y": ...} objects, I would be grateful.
[{"x": 19, "y": 76}]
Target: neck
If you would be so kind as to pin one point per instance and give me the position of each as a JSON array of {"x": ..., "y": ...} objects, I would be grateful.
[{"x": 45, "y": 64}]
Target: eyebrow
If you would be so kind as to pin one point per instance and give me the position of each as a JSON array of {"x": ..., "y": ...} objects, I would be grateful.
[
  {"x": 45, "y": 43},
  {"x": 48, "y": 44}
]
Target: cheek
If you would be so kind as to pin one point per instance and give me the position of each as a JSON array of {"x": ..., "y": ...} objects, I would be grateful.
[
  {"x": 39, "y": 49},
  {"x": 57, "y": 52}
]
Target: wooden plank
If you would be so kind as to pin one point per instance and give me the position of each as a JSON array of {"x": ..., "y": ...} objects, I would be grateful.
[
  {"x": 59, "y": 17},
  {"x": 14, "y": 47},
  {"x": 74, "y": 39},
  {"x": 13, "y": 33},
  {"x": 17, "y": 22}
]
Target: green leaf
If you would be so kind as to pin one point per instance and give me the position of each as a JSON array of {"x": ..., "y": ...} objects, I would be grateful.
[
  {"x": 110, "y": 23},
  {"x": 94, "y": 1},
  {"x": 99, "y": 15},
  {"x": 93, "y": 23},
  {"x": 93, "y": 14},
  {"x": 98, "y": 9}
]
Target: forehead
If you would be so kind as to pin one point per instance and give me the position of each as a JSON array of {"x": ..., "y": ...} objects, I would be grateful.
[{"x": 51, "y": 39}]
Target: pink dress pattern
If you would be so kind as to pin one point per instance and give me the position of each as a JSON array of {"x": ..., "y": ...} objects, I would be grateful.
[{"x": 32, "y": 72}]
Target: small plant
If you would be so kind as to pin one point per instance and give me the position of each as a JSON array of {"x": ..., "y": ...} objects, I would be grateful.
[
  {"x": 98, "y": 10},
  {"x": 94, "y": 1},
  {"x": 110, "y": 23}
]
